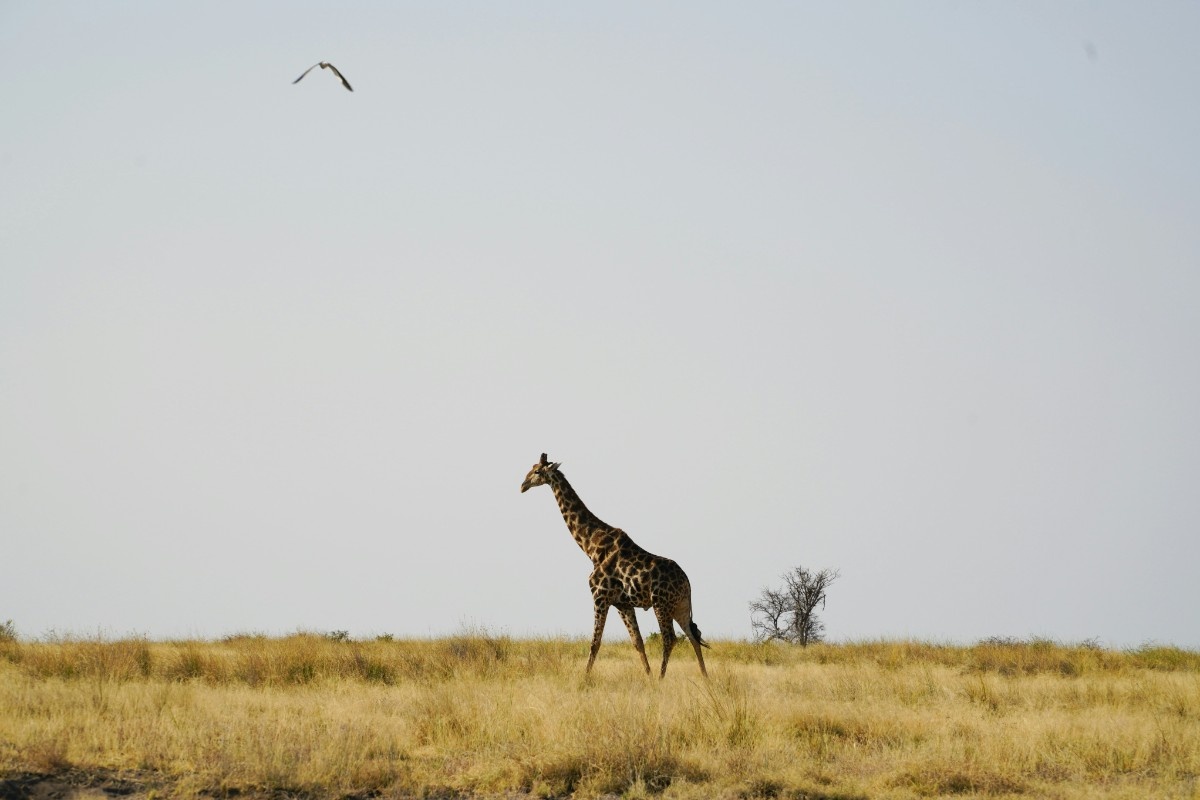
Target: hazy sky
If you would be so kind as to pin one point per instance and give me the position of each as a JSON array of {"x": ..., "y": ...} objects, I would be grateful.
[{"x": 908, "y": 290}]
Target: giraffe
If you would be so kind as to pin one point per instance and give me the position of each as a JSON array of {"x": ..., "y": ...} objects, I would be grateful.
[{"x": 624, "y": 575}]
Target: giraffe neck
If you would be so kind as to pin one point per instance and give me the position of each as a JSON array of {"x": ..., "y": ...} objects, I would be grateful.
[{"x": 585, "y": 527}]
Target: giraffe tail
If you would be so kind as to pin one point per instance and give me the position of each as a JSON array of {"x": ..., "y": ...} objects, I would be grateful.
[{"x": 695, "y": 631}]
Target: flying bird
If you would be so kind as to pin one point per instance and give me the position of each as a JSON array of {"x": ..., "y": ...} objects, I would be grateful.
[{"x": 328, "y": 66}]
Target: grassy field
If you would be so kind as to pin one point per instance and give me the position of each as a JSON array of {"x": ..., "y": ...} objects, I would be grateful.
[{"x": 482, "y": 715}]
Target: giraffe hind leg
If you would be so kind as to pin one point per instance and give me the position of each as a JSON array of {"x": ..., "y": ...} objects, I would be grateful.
[
  {"x": 667, "y": 626},
  {"x": 692, "y": 632},
  {"x": 635, "y": 633}
]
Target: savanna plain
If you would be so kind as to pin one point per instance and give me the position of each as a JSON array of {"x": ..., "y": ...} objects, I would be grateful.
[{"x": 481, "y": 715}]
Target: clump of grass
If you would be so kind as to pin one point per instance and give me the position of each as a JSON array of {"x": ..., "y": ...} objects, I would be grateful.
[
  {"x": 189, "y": 661},
  {"x": 122, "y": 660},
  {"x": 476, "y": 651},
  {"x": 769, "y": 653},
  {"x": 954, "y": 778},
  {"x": 373, "y": 668},
  {"x": 50, "y": 755},
  {"x": 1165, "y": 657}
]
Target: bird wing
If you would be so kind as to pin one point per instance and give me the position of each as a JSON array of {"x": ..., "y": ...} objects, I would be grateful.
[
  {"x": 302, "y": 74},
  {"x": 342, "y": 77}
]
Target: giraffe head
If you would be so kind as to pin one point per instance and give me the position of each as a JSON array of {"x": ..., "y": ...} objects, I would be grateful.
[{"x": 539, "y": 474}]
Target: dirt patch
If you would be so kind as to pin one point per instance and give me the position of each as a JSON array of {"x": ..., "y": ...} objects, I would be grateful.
[
  {"x": 104, "y": 785},
  {"x": 74, "y": 785}
]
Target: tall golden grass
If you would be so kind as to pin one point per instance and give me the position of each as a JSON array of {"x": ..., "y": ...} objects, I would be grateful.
[{"x": 485, "y": 715}]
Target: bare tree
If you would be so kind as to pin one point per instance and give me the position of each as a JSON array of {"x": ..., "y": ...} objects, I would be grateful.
[{"x": 789, "y": 613}]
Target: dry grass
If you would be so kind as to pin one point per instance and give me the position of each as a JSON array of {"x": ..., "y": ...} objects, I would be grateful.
[{"x": 484, "y": 715}]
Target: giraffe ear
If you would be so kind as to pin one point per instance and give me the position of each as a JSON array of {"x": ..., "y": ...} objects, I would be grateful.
[
  {"x": 555, "y": 465},
  {"x": 544, "y": 461}
]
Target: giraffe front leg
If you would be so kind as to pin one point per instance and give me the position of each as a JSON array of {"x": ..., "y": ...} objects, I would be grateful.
[
  {"x": 667, "y": 626},
  {"x": 597, "y": 630},
  {"x": 635, "y": 634}
]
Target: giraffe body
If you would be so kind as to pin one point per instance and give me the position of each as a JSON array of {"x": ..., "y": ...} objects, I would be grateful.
[{"x": 624, "y": 575}]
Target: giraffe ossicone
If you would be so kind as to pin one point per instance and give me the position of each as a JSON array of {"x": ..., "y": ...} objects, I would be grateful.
[{"x": 624, "y": 575}]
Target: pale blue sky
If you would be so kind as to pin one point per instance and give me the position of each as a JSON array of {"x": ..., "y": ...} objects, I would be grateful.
[{"x": 908, "y": 290}]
